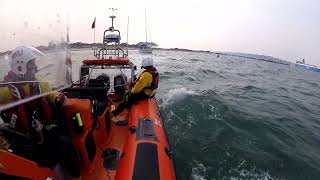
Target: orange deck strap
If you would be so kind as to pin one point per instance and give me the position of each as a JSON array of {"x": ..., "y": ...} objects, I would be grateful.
[{"x": 120, "y": 61}]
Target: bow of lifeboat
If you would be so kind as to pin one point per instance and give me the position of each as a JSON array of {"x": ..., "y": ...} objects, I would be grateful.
[
  {"x": 146, "y": 153},
  {"x": 132, "y": 145}
]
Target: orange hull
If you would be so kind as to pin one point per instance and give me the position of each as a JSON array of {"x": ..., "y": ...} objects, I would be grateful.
[
  {"x": 15, "y": 166},
  {"x": 146, "y": 154},
  {"x": 132, "y": 145}
]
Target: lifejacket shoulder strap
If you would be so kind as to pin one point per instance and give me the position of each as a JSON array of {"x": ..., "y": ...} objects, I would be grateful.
[
  {"x": 155, "y": 77},
  {"x": 20, "y": 117}
]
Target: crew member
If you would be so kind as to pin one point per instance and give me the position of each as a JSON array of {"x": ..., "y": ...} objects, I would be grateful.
[
  {"x": 35, "y": 119},
  {"x": 144, "y": 87}
]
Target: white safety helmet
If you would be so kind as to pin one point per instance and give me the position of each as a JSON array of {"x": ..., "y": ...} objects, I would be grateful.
[
  {"x": 147, "y": 62},
  {"x": 20, "y": 57}
]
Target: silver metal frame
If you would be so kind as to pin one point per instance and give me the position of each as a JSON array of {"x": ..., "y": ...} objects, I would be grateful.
[
  {"x": 91, "y": 67},
  {"x": 112, "y": 49}
]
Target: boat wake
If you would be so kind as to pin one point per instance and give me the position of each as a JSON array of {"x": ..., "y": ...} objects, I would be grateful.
[
  {"x": 200, "y": 172},
  {"x": 177, "y": 95}
]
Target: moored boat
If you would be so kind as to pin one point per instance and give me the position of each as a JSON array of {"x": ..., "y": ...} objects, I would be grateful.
[
  {"x": 146, "y": 47},
  {"x": 301, "y": 64}
]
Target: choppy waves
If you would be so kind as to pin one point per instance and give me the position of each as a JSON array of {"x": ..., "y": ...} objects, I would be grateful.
[
  {"x": 233, "y": 118},
  {"x": 250, "y": 120}
]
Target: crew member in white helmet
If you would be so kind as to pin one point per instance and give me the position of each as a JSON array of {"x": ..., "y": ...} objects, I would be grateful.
[
  {"x": 35, "y": 120},
  {"x": 144, "y": 87},
  {"x": 23, "y": 68}
]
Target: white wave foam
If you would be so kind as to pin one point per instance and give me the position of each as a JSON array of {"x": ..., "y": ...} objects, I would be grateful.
[
  {"x": 198, "y": 171},
  {"x": 245, "y": 174},
  {"x": 253, "y": 173},
  {"x": 177, "y": 94},
  {"x": 6, "y": 57}
]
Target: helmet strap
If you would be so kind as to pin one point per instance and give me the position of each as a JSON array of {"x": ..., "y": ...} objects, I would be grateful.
[{"x": 30, "y": 75}]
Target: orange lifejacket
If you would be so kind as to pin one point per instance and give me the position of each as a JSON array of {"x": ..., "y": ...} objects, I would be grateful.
[
  {"x": 17, "y": 119},
  {"x": 20, "y": 117}
]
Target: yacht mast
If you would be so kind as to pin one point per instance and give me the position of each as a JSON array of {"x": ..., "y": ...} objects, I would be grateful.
[{"x": 145, "y": 19}]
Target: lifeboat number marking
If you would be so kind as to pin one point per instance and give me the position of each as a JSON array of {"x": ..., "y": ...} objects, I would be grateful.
[
  {"x": 13, "y": 120},
  {"x": 157, "y": 122}
]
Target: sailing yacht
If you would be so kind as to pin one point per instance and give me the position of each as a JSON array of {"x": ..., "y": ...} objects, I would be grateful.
[{"x": 146, "y": 47}]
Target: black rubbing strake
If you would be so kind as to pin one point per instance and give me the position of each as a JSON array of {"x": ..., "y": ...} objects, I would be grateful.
[{"x": 146, "y": 164}]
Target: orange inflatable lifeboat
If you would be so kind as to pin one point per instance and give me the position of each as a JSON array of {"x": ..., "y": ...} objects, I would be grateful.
[
  {"x": 130, "y": 146},
  {"x": 147, "y": 154}
]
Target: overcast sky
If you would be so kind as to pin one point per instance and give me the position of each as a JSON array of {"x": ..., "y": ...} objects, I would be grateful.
[{"x": 288, "y": 29}]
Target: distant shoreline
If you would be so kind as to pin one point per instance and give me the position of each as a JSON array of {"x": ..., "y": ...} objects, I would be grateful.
[
  {"x": 230, "y": 54},
  {"x": 162, "y": 49},
  {"x": 80, "y": 45},
  {"x": 89, "y": 46},
  {"x": 130, "y": 47}
]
